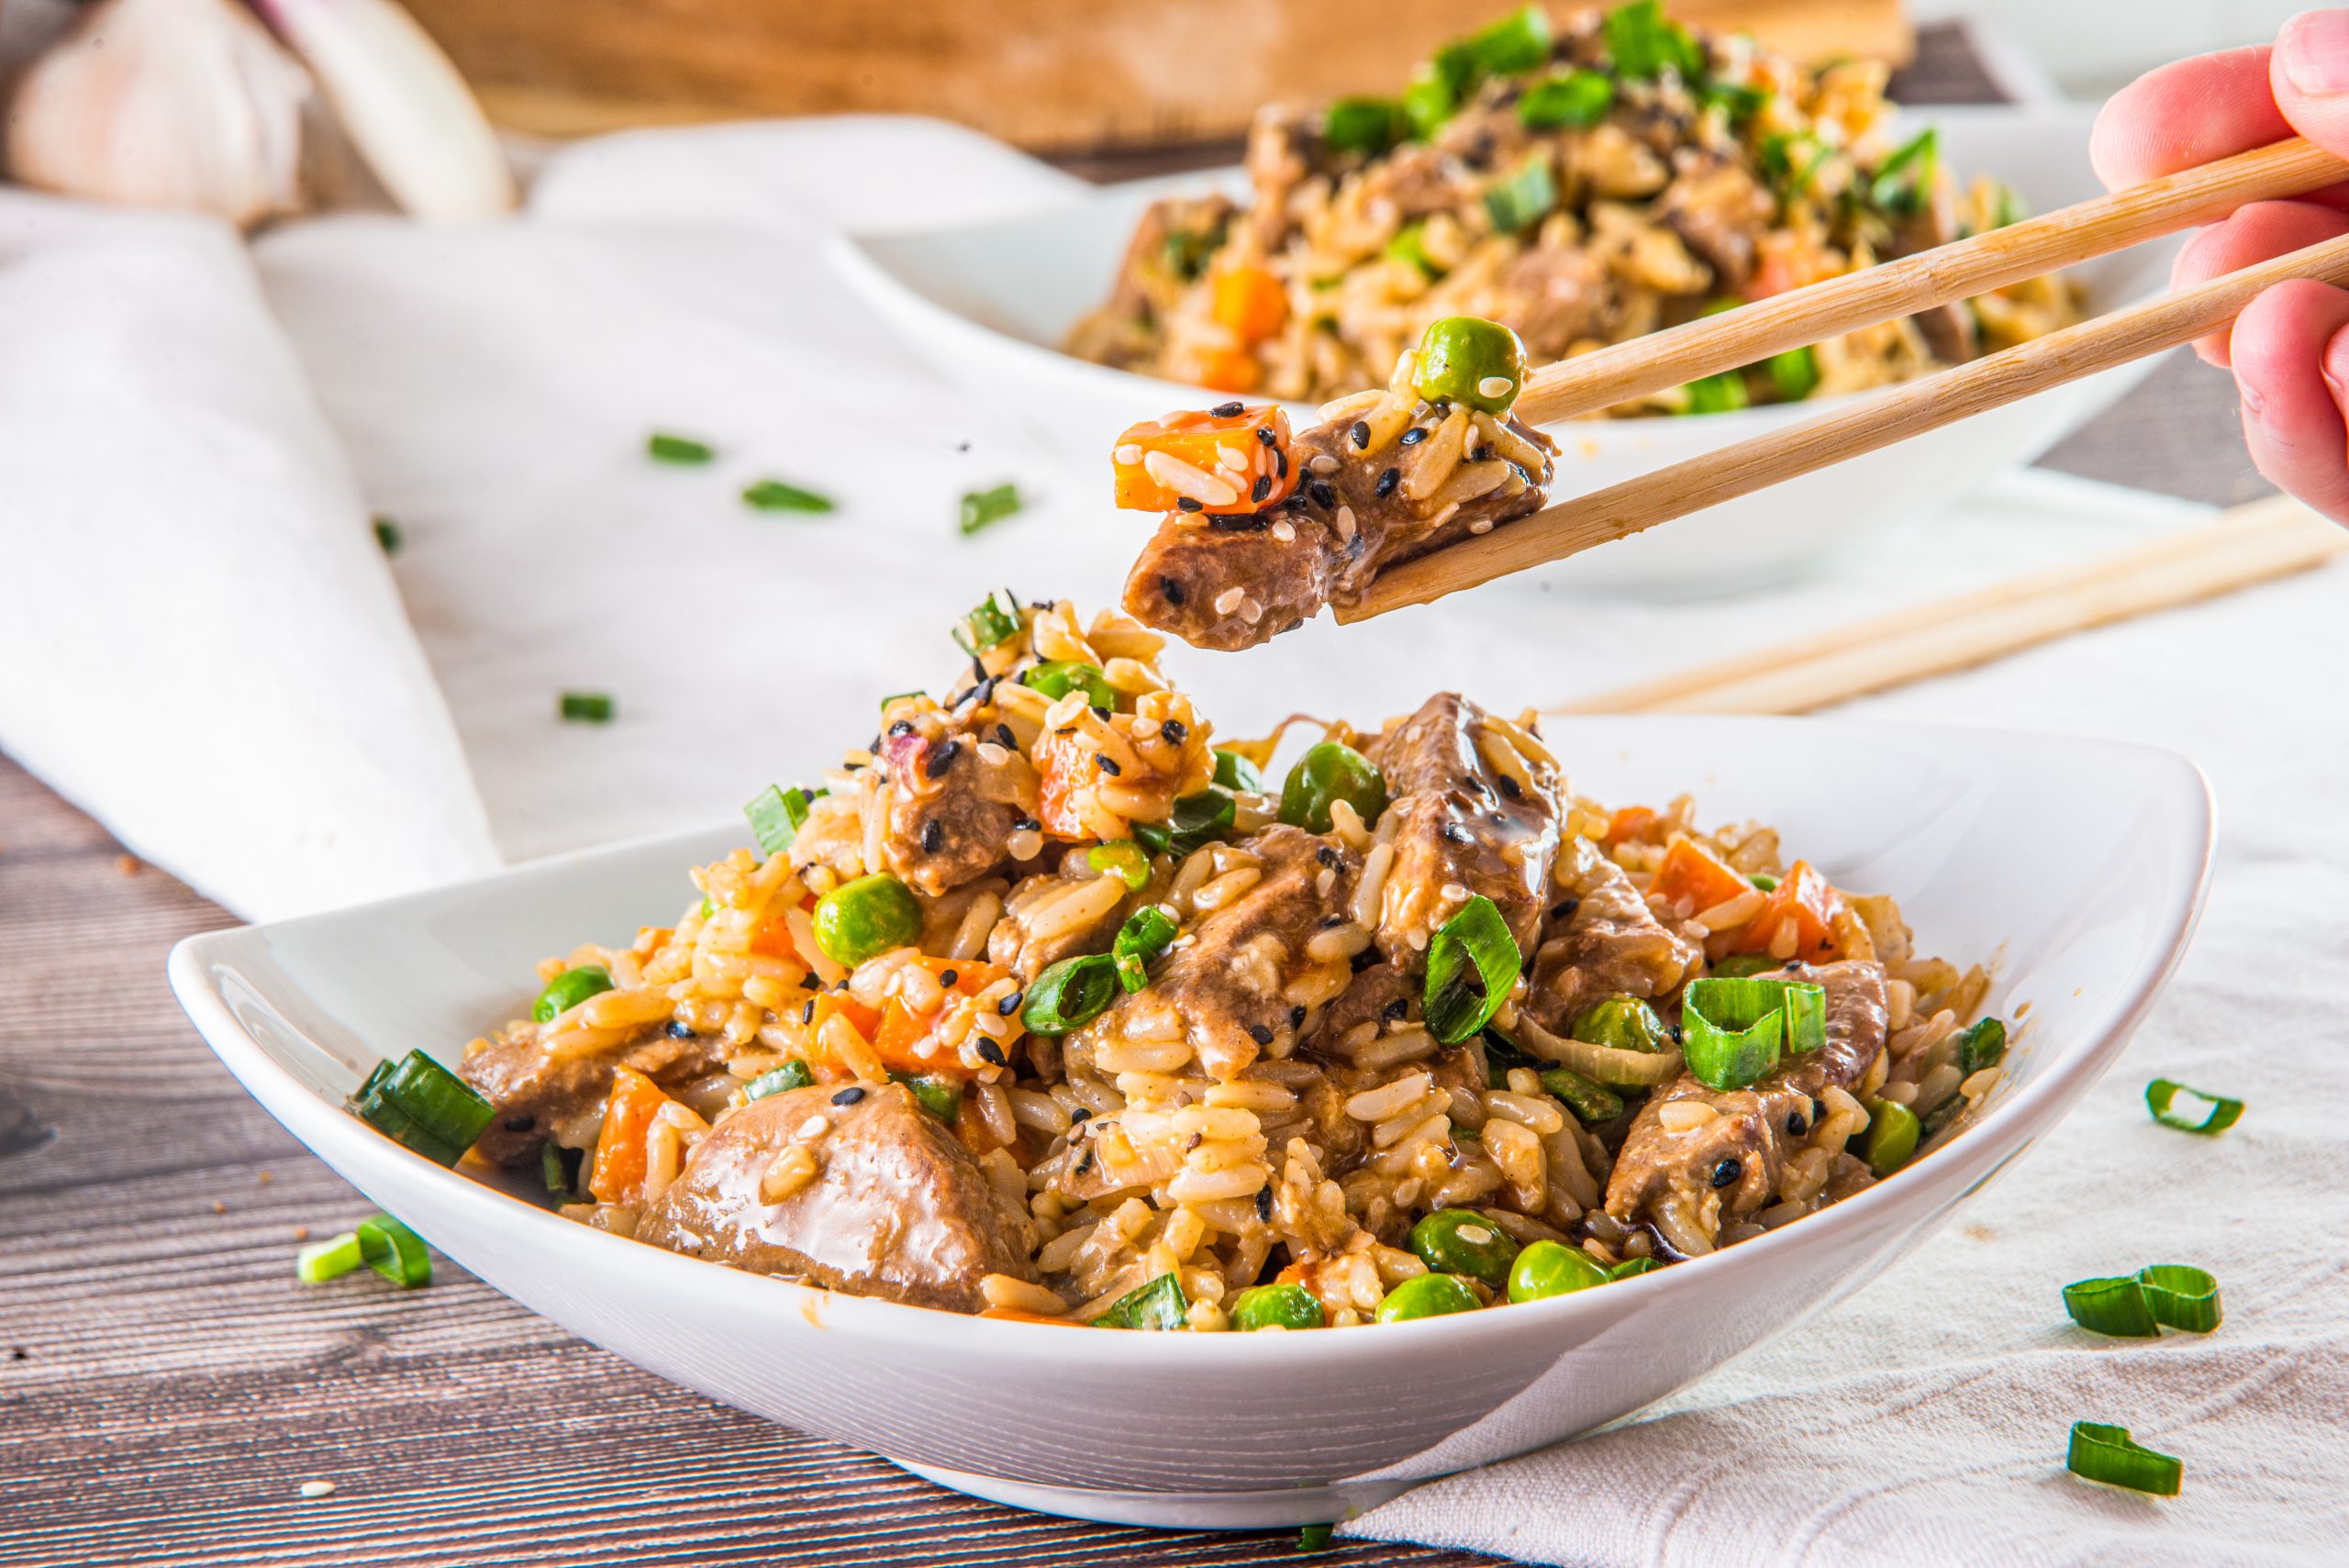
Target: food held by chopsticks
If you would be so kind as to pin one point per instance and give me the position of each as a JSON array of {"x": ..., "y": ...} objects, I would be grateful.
[{"x": 1585, "y": 188}]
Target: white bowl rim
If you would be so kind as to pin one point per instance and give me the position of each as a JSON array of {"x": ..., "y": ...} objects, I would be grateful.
[{"x": 1988, "y": 1144}]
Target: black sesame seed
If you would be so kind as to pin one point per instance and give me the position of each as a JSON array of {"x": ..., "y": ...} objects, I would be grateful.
[
  {"x": 678, "y": 1030},
  {"x": 1361, "y": 434},
  {"x": 807, "y": 1013},
  {"x": 849, "y": 1096},
  {"x": 1010, "y": 1004},
  {"x": 903, "y": 727},
  {"x": 1415, "y": 435},
  {"x": 933, "y": 835},
  {"x": 1297, "y": 1017},
  {"x": 873, "y": 746},
  {"x": 990, "y": 1053},
  {"x": 1003, "y": 734},
  {"x": 1264, "y": 435},
  {"x": 1511, "y": 788},
  {"x": 1323, "y": 496},
  {"x": 1480, "y": 454},
  {"x": 1563, "y": 909},
  {"x": 809, "y": 983},
  {"x": 1099, "y": 711},
  {"x": 1239, "y": 523},
  {"x": 1025, "y": 824},
  {"x": 1280, "y": 463},
  {"x": 1327, "y": 857},
  {"x": 1172, "y": 590},
  {"x": 1795, "y": 1125},
  {"x": 1455, "y": 832},
  {"x": 1387, "y": 481},
  {"x": 1084, "y": 1162},
  {"x": 946, "y": 977},
  {"x": 1225, "y": 410},
  {"x": 1184, "y": 504},
  {"x": 1396, "y": 1009},
  {"x": 941, "y": 757},
  {"x": 521, "y": 1123},
  {"x": 1727, "y": 1172},
  {"x": 1106, "y": 764},
  {"x": 1262, "y": 488},
  {"x": 1265, "y": 1203},
  {"x": 1365, "y": 959},
  {"x": 1078, "y": 1114},
  {"x": 1176, "y": 731},
  {"x": 1260, "y": 1034}
]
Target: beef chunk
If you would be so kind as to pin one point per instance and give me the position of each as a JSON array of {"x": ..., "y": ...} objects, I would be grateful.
[
  {"x": 1601, "y": 940},
  {"x": 539, "y": 1096},
  {"x": 949, "y": 810}
]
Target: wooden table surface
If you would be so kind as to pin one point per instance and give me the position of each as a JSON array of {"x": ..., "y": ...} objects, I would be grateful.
[{"x": 166, "y": 1387}]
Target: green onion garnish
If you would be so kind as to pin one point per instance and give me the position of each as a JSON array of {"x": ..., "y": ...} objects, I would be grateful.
[
  {"x": 1409, "y": 244},
  {"x": 558, "y": 1170},
  {"x": 980, "y": 507},
  {"x": 792, "y": 1075},
  {"x": 1121, "y": 858},
  {"x": 1590, "y": 1101},
  {"x": 1902, "y": 180},
  {"x": 2223, "y": 1113},
  {"x": 1791, "y": 161},
  {"x": 1161, "y": 1304},
  {"x": 1364, "y": 125},
  {"x": 1195, "y": 821},
  {"x": 1515, "y": 44},
  {"x": 1642, "y": 42},
  {"x": 585, "y": 708},
  {"x": 2104, "y": 1453},
  {"x": 1142, "y": 938},
  {"x": 1735, "y": 101},
  {"x": 1523, "y": 199},
  {"x": 899, "y": 697},
  {"x": 678, "y": 448},
  {"x": 990, "y": 621},
  {"x": 776, "y": 815},
  {"x": 1314, "y": 1538},
  {"x": 1722, "y": 394},
  {"x": 324, "y": 1261},
  {"x": 1233, "y": 771},
  {"x": 1631, "y": 1266},
  {"x": 422, "y": 1105},
  {"x": 1071, "y": 993},
  {"x": 775, "y": 496},
  {"x": 1476, "y": 938},
  {"x": 567, "y": 990},
  {"x": 387, "y": 536},
  {"x": 1578, "y": 98},
  {"x": 394, "y": 1251},
  {"x": 940, "y": 1096},
  {"x": 1982, "y": 1043},
  {"x": 1795, "y": 376},
  {"x": 1734, "y": 1027},
  {"x": 1891, "y": 1135},
  {"x": 1058, "y": 677},
  {"x": 2133, "y": 1306}
]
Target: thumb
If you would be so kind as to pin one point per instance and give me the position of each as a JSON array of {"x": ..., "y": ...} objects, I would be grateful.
[{"x": 2310, "y": 74}]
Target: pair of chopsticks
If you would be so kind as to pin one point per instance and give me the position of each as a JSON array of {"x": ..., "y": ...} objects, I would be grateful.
[{"x": 1883, "y": 292}]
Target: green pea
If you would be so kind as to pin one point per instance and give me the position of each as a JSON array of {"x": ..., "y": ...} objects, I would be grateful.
[
  {"x": 1891, "y": 1135},
  {"x": 1471, "y": 361},
  {"x": 1621, "y": 1023},
  {"x": 1276, "y": 1307},
  {"x": 1739, "y": 965},
  {"x": 1461, "y": 1241},
  {"x": 570, "y": 989},
  {"x": 1428, "y": 1295},
  {"x": 1058, "y": 677},
  {"x": 1233, "y": 771},
  {"x": 860, "y": 919},
  {"x": 1328, "y": 772},
  {"x": 1552, "y": 1268},
  {"x": 1722, "y": 394}
]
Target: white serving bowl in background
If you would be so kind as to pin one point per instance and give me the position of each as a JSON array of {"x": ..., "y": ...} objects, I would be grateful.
[
  {"x": 990, "y": 303},
  {"x": 2077, "y": 867}
]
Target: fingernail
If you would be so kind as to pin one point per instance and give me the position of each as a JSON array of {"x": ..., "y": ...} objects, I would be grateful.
[{"x": 2314, "y": 47}]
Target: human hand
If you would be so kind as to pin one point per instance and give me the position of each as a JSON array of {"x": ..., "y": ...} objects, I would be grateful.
[{"x": 2290, "y": 351}]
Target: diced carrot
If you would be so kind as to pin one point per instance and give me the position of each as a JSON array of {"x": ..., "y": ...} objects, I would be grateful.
[
  {"x": 1690, "y": 872},
  {"x": 1804, "y": 900},
  {"x": 1627, "y": 824},
  {"x": 649, "y": 938},
  {"x": 1196, "y": 457},
  {"x": 1065, "y": 761},
  {"x": 898, "y": 1040},
  {"x": 618, "y": 1176},
  {"x": 971, "y": 975},
  {"x": 1251, "y": 302},
  {"x": 770, "y": 938},
  {"x": 1231, "y": 369},
  {"x": 1015, "y": 1315}
]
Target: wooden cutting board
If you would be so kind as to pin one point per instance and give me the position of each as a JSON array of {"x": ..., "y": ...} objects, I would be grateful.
[{"x": 1045, "y": 74}]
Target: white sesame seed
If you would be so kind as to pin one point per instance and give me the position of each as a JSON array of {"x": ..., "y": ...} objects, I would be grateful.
[
  {"x": 1495, "y": 385},
  {"x": 318, "y": 1488},
  {"x": 816, "y": 1125},
  {"x": 1250, "y": 611},
  {"x": 1284, "y": 532},
  {"x": 1344, "y": 523},
  {"x": 1323, "y": 463},
  {"x": 992, "y": 754},
  {"x": 1228, "y": 600}
]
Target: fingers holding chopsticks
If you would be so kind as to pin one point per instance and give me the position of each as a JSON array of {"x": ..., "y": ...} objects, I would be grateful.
[
  {"x": 2259, "y": 232},
  {"x": 2291, "y": 362}
]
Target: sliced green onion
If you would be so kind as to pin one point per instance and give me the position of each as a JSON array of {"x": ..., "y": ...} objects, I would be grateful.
[
  {"x": 2104, "y": 1453},
  {"x": 899, "y": 697},
  {"x": 1591, "y": 1101},
  {"x": 1071, "y": 993},
  {"x": 1123, "y": 858},
  {"x": 1576, "y": 98},
  {"x": 1233, "y": 771},
  {"x": 776, "y": 815},
  {"x": 775, "y": 496},
  {"x": 1142, "y": 938},
  {"x": 558, "y": 1170},
  {"x": 394, "y": 1251},
  {"x": 940, "y": 1096},
  {"x": 1745, "y": 965},
  {"x": 1720, "y": 394},
  {"x": 1364, "y": 125},
  {"x": 387, "y": 536},
  {"x": 1631, "y": 1266},
  {"x": 1902, "y": 179},
  {"x": 1161, "y": 1304},
  {"x": 1787, "y": 172},
  {"x": 1642, "y": 42},
  {"x": 1795, "y": 376},
  {"x": 1314, "y": 1538},
  {"x": 1409, "y": 244},
  {"x": 1429, "y": 102},
  {"x": 2115, "y": 1305},
  {"x": 982, "y": 508},
  {"x": 2180, "y": 1296},
  {"x": 1891, "y": 1137},
  {"x": 2010, "y": 207},
  {"x": 1515, "y": 44},
  {"x": 792, "y": 1075},
  {"x": 323, "y": 1261},
  {"x": 1982, "y": 1043},
  {"x": 1501, "y": 1053},
  {"x": 1733, "y": 1028},
  {"x": 988, "y": 622},
  {"x": 2222, "y": 1115},
  {"x": 1523, "y": 199},
  {"x": 1737, "y": 101},
  {"x": 1476, "y": 938},
  {"x": 1195, "y": 821},
  {"x": 678, "y": 448},
  {"x": 585, "y": 708},
  {"x": 422, "y": 1105},
  {"x": 1058, "y": 677}
]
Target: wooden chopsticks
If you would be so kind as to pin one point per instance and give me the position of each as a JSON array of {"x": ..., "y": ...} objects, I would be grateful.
[
  {"x": 2249, "y": 544},
  {"x": 1753, "y": 332}
]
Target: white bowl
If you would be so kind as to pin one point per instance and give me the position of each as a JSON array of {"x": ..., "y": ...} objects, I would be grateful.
[
  {"x": 2076, "y": 866},
  {"x": 990, "y": 303}
]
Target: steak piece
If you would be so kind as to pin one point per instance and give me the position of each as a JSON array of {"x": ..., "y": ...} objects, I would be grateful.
[
  {"x": 899, "y": 1208},
  {"x": 1604, "y": 941},
  {"x": 1233, "y": 582},
  {"x": 948, "y": 812},
  {"x": 1225, "y": 992},
  {"x": 1463, "y": 828},
  {"x": 538, "y": 1095},
  {"x": 1729, "y": 1167}
]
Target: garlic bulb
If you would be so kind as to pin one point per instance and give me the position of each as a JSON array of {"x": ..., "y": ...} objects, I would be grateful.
[{"x": 164, "y": 102}]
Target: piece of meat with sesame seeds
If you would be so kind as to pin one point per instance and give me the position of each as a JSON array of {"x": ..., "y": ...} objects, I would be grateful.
[{"x": 949, "y": 810}]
